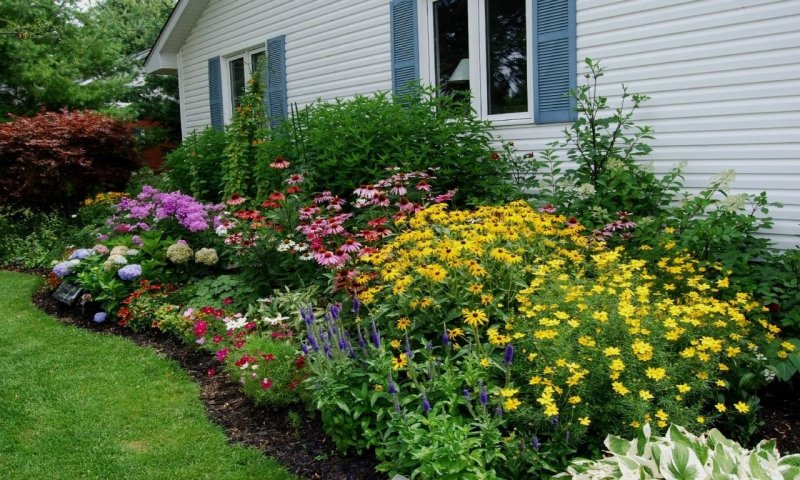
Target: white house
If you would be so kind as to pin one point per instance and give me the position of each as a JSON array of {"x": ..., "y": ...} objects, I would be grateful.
[{"x": 724, "y": 75}]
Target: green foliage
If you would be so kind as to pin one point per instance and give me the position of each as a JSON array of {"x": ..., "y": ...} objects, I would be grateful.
[
  {"x": 244, "y": 135},
  {"x": 681, "y": 455},
  {"x": 347, "y": 143},
  {"x": 32, "y": 238},
  {"x": 605, "y": 147},
  {"x": 234, "y": 291},
  {"x": 277, "y": 376}
]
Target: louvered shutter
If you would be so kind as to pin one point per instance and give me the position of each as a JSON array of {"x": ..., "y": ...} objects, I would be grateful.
[
  {"x": 405, "y": 48},
  {"x": 276, "y": 98},
  {"x": 215, "y": 92},
  {"x": 555, "y": 62}
]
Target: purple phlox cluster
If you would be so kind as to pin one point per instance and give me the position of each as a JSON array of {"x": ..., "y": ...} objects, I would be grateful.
[
  {"x": 81, "y": 253},
  {"x": 152, "y": 204},
  {"x": 130, "y": 272},
  {"x": 99, "y": 317},
  {"x": 66, "y": 268},
  {"x": 137, "y": 240}
]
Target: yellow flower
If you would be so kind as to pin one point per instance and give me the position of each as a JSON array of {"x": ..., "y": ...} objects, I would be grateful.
[
  {"x": 741, "y": 407},
  {"x": 399, "y": 362},
  {"x": 508, "y": 392},
  {"x": 551, "y": 410},
  {"x": 574, "y": 400},
  {"x": 474, "y": 318},
  {"x": 620, "y": 388},
  {"x": 611, "y": 351},
  {"x": 642, "y": 350},
  {"x": 720, "y": 407},
  {"x": 645, "y": 394},
  {"x": 788, "y": 346},
  {"x": 455, "y": 332},
  {"x": 395, "y": 343},
  {"x": 701, "y": 420},
  {"x": 683, "y": 388},
  {"x": 584, "y": 421},
  {"x": 662, "y": 415},
  {"x": 511, "y": 404},
  {"x": 403, "y": 323},
  {"x": 485, "y": 362},
  {"x": 655, "y": 373},
  {"x": 475, "y": 288},
  {"x": 721, "y": 383},
  {"x": 378, "y": 387},
  {"x": 782, "y": 354}
]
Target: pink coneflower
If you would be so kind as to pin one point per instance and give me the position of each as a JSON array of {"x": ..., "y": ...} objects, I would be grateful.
[
  {"x": 323, "y": 197},
  {"x": 573, "y": 222},
  {"x": 398, "y": 189},
  {"x": 406, "y": 206},
  {"x": 423, "y": 186},
  {"x": 236, "y": 199},
  {"x": 270, "y": 204},
  {"x": 549, "y": 208},
  {"x": 306, "y": 213},
  {"x": 280, "y": 163},
  {"x": 350, "y": 246},
  {"x": 366, "y": 191},
  {"x": 327, "y": 258},
  {"x": 381, "y": 200},
  {"x": 370, "y": 235},
  {"x": 277, "y": 197},
  {"x": 266, "y": 384},
  {"x": 295, "y": 179},
  {"x": 445, "y": 197},
  {"x": 335, "y": 204},
  {"x": 293, "y": 189},
  {"x": 377, "y": 222}
]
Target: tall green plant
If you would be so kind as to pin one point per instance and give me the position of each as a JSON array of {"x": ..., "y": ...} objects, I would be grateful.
[
  {"x": 194, "y": 166},
  {"x": 346, "y": 143},
  {"x": 246, "y": 133}
]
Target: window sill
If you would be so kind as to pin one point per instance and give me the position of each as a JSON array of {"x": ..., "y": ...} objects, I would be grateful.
[{"x": 510, "y": 122}]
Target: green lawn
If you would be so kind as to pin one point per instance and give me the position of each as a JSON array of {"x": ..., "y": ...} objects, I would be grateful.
[{"x": 75, "y": 405}]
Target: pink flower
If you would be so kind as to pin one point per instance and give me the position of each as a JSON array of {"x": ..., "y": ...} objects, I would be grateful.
[
  {"x": 266, "y": 384},
  {"x": 280, "y": 163},
  {"x": 227, "y": 300},
  {"x": 329, "y": 259},
  {"x": 295, "y": 179},
  {"x": 350, "y": 246},
  {"x": 445, "y": 197},
  {"x": 211, "y": 372},
  {"x": 222, "y": 354},
  {"x": 217, "y": 338},
  {"x": 293, "y": 189},
  {"x": 380, "y": 200},
  {"x": 323, "y": 197},
  {"x": 366, "y": 191},
  {"x": 398, "y": 189},
  {"x": 407, "y": 206},
  {"x": 200, "y": 328},
  {"x": 547, "y": 208},
  {"x": 236, "y": 199},
  {"x": 423, "y": 186},
  {"x": 307, "y": 212}
]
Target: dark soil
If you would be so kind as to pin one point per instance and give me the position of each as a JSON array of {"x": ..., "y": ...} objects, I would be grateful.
[
  {"x": 302, "y": 447},
  {"x": 780, "y": 412}
]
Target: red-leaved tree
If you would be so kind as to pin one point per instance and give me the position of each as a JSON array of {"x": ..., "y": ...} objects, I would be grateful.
[{"x": 58, "y": 158}]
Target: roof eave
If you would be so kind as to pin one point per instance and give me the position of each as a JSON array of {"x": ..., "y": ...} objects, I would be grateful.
[{"x": 164, "y": 54}]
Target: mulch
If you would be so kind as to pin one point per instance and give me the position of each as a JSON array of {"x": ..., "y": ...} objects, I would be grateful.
[{"x": 302, "y": 447}]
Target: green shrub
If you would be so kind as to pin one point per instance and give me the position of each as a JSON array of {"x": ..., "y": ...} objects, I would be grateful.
[
  {"x": 347, "y": 143},
  {"x": 194, "y": 167},
  {"x": 34, "y": 238}
]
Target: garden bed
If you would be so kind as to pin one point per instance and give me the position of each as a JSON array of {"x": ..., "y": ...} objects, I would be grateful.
[{"x": 301, "y": 446}]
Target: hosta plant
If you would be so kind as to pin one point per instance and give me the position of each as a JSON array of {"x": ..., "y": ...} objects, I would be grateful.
[{"x": 679, "y": 455}]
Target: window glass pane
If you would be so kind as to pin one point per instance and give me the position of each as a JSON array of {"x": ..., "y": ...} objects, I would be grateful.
[
  {"x": 451, "y": 31},
  {"x": 507, "y": 55},
  {"x": 258, "y": 61},
  {"x": 237, "y": 80}
]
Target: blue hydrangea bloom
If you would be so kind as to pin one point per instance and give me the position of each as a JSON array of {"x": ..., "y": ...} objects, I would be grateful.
[
  {"x": 99, "y": 317},
  {"x": 81, "y": 253},
  {"x": 65, "y": 268},
  {"x": 130, "y": 272}
]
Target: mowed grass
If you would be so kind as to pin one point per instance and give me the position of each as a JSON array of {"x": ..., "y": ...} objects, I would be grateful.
[{"x": 79, "y": 405}]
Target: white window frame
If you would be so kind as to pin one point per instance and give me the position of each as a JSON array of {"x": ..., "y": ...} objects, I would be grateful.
[
  {"x": 227, "y": 81},
  {"x": 477, "y": 49}
]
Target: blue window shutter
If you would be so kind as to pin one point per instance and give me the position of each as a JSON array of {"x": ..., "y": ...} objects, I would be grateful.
[
  {"x": 215, "y": 92},
  {"x": 405, "y": 48},
  {"x": 276, "y": 98},
  {"x": 554, "y": 60}
]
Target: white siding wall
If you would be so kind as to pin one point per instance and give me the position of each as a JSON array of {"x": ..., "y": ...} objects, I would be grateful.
[{"x": 724, "y": 76}]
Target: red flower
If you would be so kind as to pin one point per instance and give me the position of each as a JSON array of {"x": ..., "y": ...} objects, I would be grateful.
[
  {"x": 200, "y": 328},
  {"x": 293, "y": 189},
  {"x": 300, "y": 362},
  {"x": 211, "y": 372},
  {"x": 266, "y": 384},
  {"x": 227, "y": 301},
  {"x": 236, "y": 199},
  {"x": 277, "y": 197},
  {"x": 268, "y": 356},
  {"x": 217, "y": 338},
  {"x": 294, "y": 383}
]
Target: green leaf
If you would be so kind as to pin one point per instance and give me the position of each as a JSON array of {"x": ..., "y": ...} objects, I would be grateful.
[{"x": 785, "y": 370}]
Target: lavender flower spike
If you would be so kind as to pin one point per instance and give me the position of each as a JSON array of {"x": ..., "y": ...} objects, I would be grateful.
[
  {"x": 376, "y": 338},
  {"x": 467, "y": 395},
  {"x": 509, "y": 355},
  {"x": 445, "y": 337},
  {"x": 535, "y": 443},
  {"x": 484, "y": 398},
  {"x": 426, "y": 405}
]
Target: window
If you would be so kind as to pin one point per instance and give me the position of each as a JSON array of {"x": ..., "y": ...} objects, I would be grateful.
[
  {"x": 481, "y": 46},
  {"x": 240, "y": 67}
]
